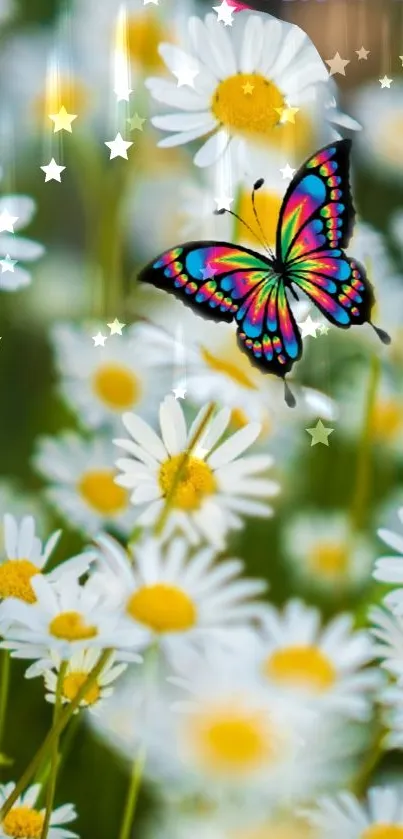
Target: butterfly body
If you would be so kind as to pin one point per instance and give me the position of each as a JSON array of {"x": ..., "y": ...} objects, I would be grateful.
[{"x": 227, "y": 282}]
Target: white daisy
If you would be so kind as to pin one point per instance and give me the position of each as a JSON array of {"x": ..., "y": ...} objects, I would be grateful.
[
  {"x": 26, "y": 822},
  {"x": 76, "y": 673},
  {"x": 217, "y": 486},
  {"x": 82, "y": 477},
  {"x": 321, "y": 665},
  {"x": 231, "y": 733},
  {"x": 379, "y": 143},
  {"x": 331, "y": 753},
  {"x": 17, "y": 247},
  {"x": 280, "y": 63},
  {"x": 26, "y": 557},
  {"x": 66, "y": 618},
  {"x": 389, "y": 569},
  {"x": 101, "y": 384},
  {"x": 180, "y": 600},
  {"x": 324, "y": 555},
  {"x": 381, "y": 817}
]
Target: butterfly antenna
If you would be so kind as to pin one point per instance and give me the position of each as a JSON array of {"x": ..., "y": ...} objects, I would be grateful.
[
  {"x": 384, "y": 337},
  {"x": 257, "y": 186},
  {"x": 289, "y": 397},
  {"x": 245, "y": 224}
]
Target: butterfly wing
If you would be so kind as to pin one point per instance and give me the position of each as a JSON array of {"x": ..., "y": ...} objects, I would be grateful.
[
  {"x": 228, "y": 282},
  {"x": 315, "y": 225}
]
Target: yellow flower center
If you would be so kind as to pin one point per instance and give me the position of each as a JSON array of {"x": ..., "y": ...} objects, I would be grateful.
[
  {"x": 63, "y": 91},
  {"x": 144, "y": 34},
  {"x": 116, "y": 386},
  {"x": 196, "y": 481},
  {"x": 73, "y": 682},
  {"x": 162, "y": 607},
  {"x": 268, "y": 207},
  {"x": 387, "y": 419},
  {"x": 254, "y": 114},
  {"x": 71, "y": 626},
  {"x": 101, "y": 493},
  {"x": 383, "y": 831},
  {"x": 233, "y": 739},
  {"x": 223, "y": 364},
  {"x": 329, "y": 559},
  {"x": 303, "y": 666},
  {"x": 23, "y": 822},
  {"x": 15, "y": 579}
]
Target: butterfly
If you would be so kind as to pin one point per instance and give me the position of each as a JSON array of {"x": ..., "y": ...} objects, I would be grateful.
[{"x": 227, "y": 282}]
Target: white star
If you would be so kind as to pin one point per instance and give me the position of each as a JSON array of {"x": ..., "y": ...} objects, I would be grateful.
[
  {"x": 224, "y": 13},
  {"x": 323, "y": 329},
  {"x": 287, "y": 172},
  {"x": 116, "y": 327},
  {"x": 186, "y": 76},
  {"x": 362, "y": 54},
  {"x": 337, "y": 64},
  {"x": 386, "y": 82},
  {"x": 7, "y": 222},
  {"x": 122, "y": 91},
  {"x": 147, "y": 2},
  {"x": 179, "y": 392},
  {"x": 118, "y": 147},
  {"x": 308, "y": 327},
  {"x": 52, "y": 171},
  {"x": 7, "y": 264},
  {"x": 99, "y": 340},
  {"x": 224, "y": 203}
]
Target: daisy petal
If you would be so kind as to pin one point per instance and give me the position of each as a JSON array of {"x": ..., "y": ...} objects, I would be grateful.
[
  {"x": 235, "y": 446},
  {"x": 177, "y": 97},
  {"x": 212, "y": 149},
  {"x": 144, "y": 435},
  {"x": 182, "y": 138}
]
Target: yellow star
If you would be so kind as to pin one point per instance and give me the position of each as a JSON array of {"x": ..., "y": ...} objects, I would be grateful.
[
  {"x": 248, "y": 87},
  {"x": 62, "y": 120},
  {"x": 287, "y": 114}
]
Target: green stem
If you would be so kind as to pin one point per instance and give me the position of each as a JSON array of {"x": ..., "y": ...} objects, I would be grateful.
[
  {"x": 161, "y": 521},
  {"x": 364, "y": 775},
  {"x": 54, "y": 733},
  {"x": 54, "y": 760},
  {"x": 67, "y": 741},
  {"x": 150, "y": 664},
  {"x": 4, "y": 690},
  {"x": 133, "y": 793},
  {"x": 361, "y": 492}
]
